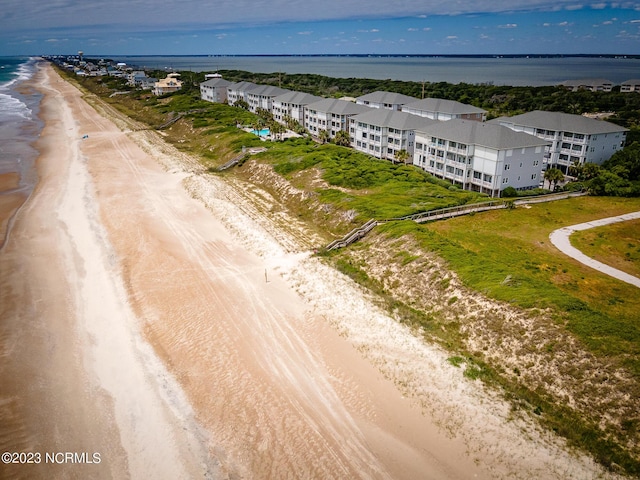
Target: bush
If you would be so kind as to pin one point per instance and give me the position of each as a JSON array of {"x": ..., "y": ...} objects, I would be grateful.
[{"x": 509, "y": 192}]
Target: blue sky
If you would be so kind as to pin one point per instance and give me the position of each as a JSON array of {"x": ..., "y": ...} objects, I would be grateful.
[{"x": 174, "y": 27}]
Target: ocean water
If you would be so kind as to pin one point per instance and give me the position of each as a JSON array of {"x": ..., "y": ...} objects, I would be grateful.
[
  {"x": 20, "y": 125},
  {"x": 515, "y": 71}
]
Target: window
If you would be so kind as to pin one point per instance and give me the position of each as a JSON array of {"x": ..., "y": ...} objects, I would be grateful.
[
  {"x": 488, "y": 178},
  {"x": 505, "y": 180},
  {"x": 536, "y": 162},
  {"x": 534, "y": 176},
  {"x": 418, "y": 146},
  {"x": 507, "y": 166}
]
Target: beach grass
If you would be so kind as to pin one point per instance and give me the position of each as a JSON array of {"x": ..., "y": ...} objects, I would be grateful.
[{"x": 507, "y": 255}]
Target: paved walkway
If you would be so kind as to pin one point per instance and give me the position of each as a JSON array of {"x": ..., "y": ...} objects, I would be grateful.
[{"x": 560, "y": 238}]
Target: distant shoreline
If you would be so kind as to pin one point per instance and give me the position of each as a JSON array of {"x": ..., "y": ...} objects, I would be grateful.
[{"x": 388, "y": 55}]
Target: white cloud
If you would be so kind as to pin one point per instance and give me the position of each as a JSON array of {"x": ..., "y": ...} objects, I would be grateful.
[
  {"x": 308, "y": 32},
  {"x": 508, "y": 25},
  {"x": 157, "y": 15}
]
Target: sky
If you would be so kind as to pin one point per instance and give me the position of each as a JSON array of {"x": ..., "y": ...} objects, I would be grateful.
[{"x": 245, "y": 27}]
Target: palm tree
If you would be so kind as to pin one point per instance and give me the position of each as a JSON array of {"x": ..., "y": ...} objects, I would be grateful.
[
  {"x": 324, "y": 136},
  {"x": 553, "y": 176},
  {"x": 276, "y": 129},
  {"x": 402, "y": 156},
  {"x": 342, "y": 138}
]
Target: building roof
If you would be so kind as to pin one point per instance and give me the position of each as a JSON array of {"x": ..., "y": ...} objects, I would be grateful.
[
  {"x": 484, "y": 134},
  {"x": 297, "y": 98},
  {"x": 562, "y": 122},
  {"x": 444, "y": 106},
  {"x": 386, "y": 97},
  {"x": 588, "y": 82},
  {"x": 633, "y": 81},
  {"x": 266, "y": 91},
  {"x": 243, "y": 86},
  {"x": 217, "y": 82},
  {"x": 340, "y": 107},
  {"x": 393, "y": 119}
]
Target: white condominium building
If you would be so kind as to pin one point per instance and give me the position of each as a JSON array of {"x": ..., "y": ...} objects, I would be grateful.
[
  {"x": 479, "y": 156},
  {"x": 238, "y": 91},
  {"x": 383, "y": 133},
  {"x": 573, "y": 139},
  {"x": 214, "y": 90},
  {"x": 292, "y": 104},
  {"x": 262, "y": 97},
  {"x": 331, "y": 115}
]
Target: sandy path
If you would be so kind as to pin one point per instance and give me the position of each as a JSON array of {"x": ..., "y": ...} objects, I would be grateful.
[{"x": 180, "y": 341}]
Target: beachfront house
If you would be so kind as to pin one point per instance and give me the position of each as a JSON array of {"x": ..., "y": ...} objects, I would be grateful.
[
  {"x": 632, "y": 85},
  {"x": 591, "y": 84},
  {"x": 331, "y": 115},
  {"x": 261, "y": 97},
  {"x": 292, "y": 105},
  {"x": 481, "y": 157},
  {"x": 238, "y": 91},
  {"x": 573, "y": 139},
  {"x": 444, "y": 110},
  {"x": 214, "y": 90},
  {"x": 167, "y": 85},
  {"x": 383, "y": 133},
  {"x": 388, "y": 100}
]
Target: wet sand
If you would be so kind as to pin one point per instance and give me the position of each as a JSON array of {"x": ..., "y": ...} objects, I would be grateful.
[
  {"x": 142, "y": 325},
  {"x": 11, "y": 199}
]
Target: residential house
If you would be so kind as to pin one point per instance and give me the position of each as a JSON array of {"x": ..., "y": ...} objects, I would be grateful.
[
  {"x": 167, "y": 85},
  {"x": 478, "y": 156},
  {"x": 139, "y": 79},
  {"x": 292, "y": 105},
  {"x": 262, "y": 97},
  {"x": 330, "y": 114},
  {"x": 388, "y": 100},
  {"x": 443, "y": 110},
  {"x": 593, "y": 85},
  {"x": 238, "y": 91},
  {"x": 630, "y": 86},
  {"x": 383, "y": 133},
  {"x": 574, "y": 139},
  {"x": 214, "y": 90}
]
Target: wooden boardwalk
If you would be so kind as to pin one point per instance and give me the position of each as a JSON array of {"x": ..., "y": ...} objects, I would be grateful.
[{"x": 445, "y": 213}]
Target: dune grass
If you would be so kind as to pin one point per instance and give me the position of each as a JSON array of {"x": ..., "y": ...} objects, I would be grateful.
[{"x": 507, "y": 255}]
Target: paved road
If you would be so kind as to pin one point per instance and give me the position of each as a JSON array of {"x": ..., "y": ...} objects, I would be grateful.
[{"x": 560, "y": 238}]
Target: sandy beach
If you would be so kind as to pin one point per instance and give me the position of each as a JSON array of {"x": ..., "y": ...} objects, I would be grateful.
[{"x": 151, "y": 321}]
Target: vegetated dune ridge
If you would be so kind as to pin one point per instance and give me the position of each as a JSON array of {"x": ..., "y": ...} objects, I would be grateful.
[{"x": 180, "y": 341}]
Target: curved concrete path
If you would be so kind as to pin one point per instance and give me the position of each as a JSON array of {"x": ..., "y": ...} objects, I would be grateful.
[{"x": 560, "y": 238}]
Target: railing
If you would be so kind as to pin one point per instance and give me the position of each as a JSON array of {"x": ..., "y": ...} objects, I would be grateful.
[
  {"x": 353, "y": 235},
  {"x": 234, "y": 161}
]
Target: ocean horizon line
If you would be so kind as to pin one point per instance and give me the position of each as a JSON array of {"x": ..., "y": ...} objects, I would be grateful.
[{"x": 365, "y": 55}]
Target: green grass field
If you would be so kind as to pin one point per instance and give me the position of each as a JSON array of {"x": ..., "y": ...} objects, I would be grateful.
[{"x": 617, "y": 245}]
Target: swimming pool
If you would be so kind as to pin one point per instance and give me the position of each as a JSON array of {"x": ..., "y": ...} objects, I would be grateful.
[{"x": 261, "y": 133}]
